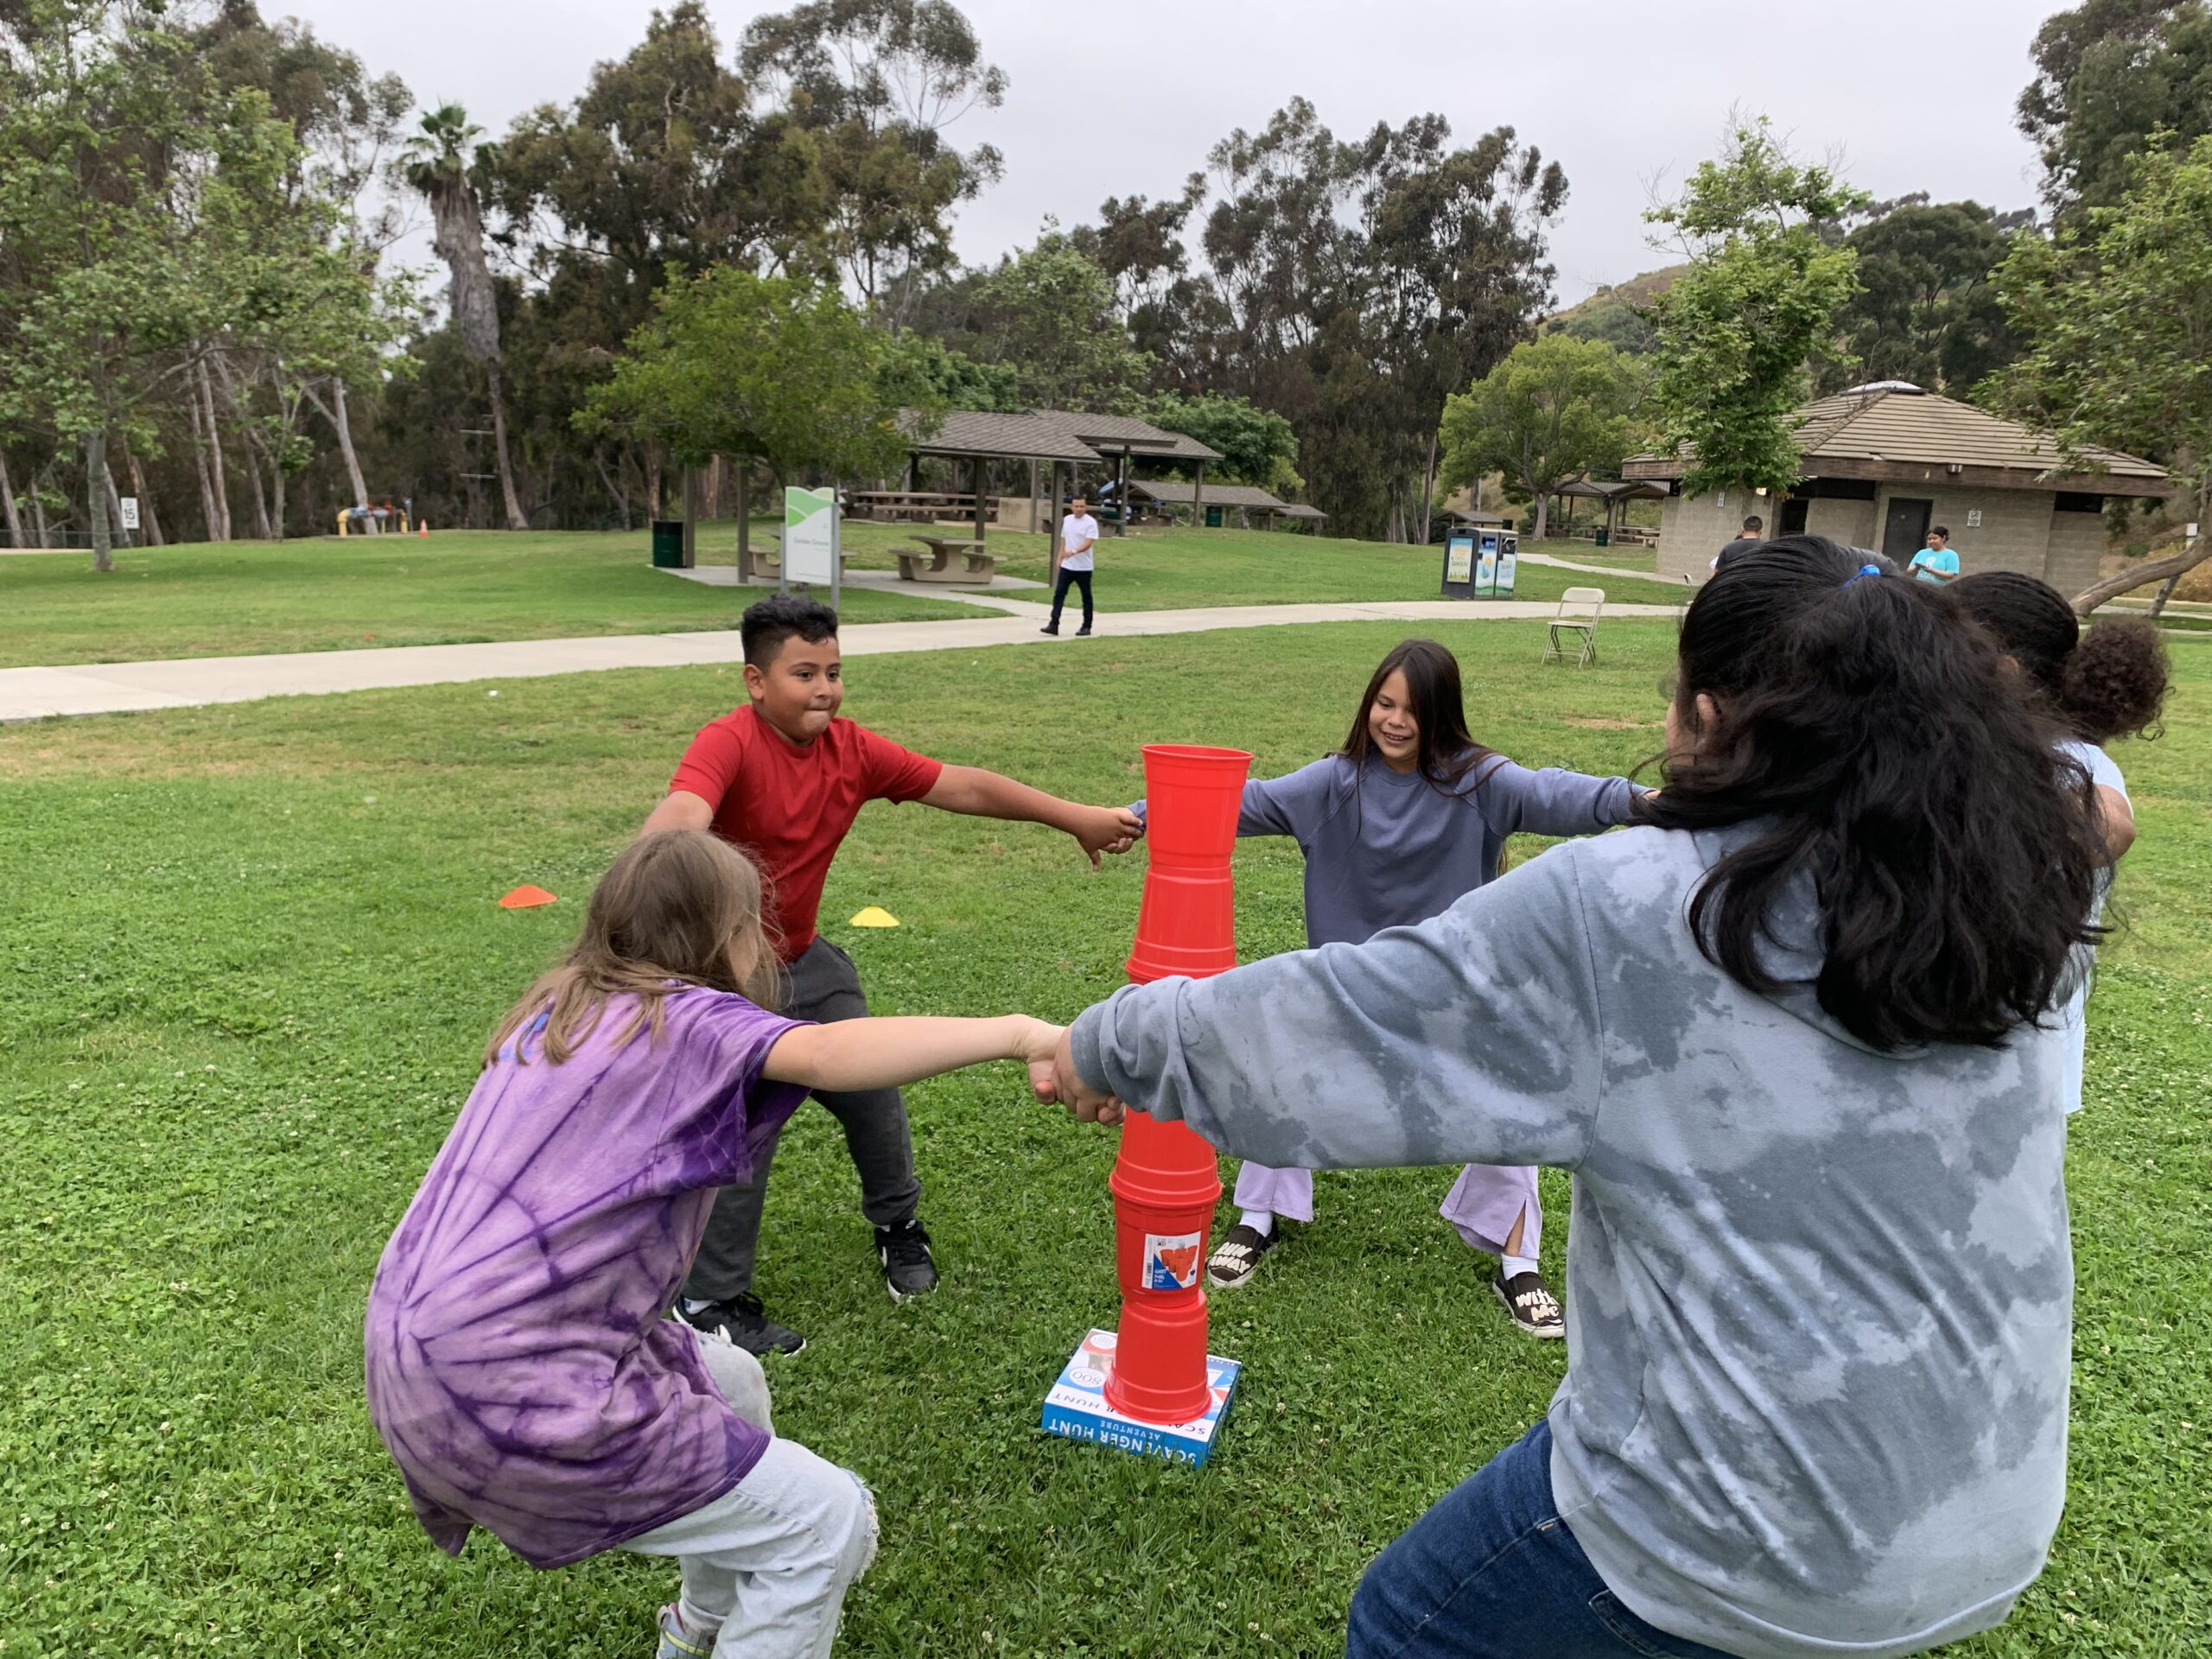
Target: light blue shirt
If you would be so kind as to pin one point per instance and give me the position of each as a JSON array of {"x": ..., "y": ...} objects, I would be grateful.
[{"x": 1929, "y": 559}]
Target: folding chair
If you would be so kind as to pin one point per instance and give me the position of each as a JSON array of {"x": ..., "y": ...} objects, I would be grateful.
[{"x": 1588, "y": 604}]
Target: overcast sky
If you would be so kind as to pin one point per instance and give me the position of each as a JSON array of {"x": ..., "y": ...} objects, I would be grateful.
[{"x": 1128, "y": 97}]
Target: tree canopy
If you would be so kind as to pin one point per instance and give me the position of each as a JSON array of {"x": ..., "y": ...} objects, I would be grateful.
[
  {"x": 1759, "y": 299},
  {"x": 2110, "y": 74},
  {"x": 1925, "y": 310},
  {"x": 1556, "y": 408},
  {"x": 2118, "y": 309}
]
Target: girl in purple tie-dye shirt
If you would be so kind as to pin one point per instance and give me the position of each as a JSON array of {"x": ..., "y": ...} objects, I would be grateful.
[{"x": 519, "y": 1367}]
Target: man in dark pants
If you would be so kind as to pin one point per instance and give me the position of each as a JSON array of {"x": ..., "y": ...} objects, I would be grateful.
[
  {"x": 1078, "y": 535},
  {"x": 783, "y": 779}
]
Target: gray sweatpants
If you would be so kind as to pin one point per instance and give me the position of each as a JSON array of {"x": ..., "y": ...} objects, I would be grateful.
[{"x": 825, "y": 987}]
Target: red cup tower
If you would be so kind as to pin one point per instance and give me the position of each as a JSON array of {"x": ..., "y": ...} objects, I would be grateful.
[{"x": 1166, "y": 1181}]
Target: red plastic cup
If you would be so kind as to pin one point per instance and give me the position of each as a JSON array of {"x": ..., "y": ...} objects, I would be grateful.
[{"x": 1186, "y": 923}]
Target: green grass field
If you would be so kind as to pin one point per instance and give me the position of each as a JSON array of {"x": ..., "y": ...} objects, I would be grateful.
[
  {"x": 460, "y": 587},
  {"x": 252, "y": 954}
]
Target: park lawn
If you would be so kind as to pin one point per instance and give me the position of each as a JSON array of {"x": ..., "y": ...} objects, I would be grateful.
[
  {"x": 456, "y": 588},
  {"x": 253, "y": 953},
  {"x": 1154, "y": 569}
]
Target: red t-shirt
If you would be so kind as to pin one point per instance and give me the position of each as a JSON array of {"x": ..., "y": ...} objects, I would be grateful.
[{"x": 789, "y": 808}]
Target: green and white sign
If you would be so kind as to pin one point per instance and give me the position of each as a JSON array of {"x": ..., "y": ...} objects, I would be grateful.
[{"x": 811, "y": 536}]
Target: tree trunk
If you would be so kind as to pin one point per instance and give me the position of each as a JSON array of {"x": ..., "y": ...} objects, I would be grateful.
[
  {"x": 150, "y": 522},
  {"x": 38, "y": 505},
  {"x": 253, "y": 482},
  {"x": 652, "y": 481},
  {"x": 2177, "y": 565},
  {"x": 744, "y": 519},
  {"x": 516, "y": 518},
  {"x": 1428, "y": 492},
  {"x": 342, "y": 422},
  {"x": 1543, "y": 514},
  {"x": 208, "y": 514},
  {"x": 8, "y": 503},
  {"x": 97, "y": 486},
  {"x": 218, "y": 528}
]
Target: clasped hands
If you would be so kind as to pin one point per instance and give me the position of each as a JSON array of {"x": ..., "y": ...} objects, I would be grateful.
[{"x": 1052, "y": 1076}]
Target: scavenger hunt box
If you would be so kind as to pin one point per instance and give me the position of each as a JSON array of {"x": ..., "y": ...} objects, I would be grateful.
[{"x": 1077, "y": 1407}]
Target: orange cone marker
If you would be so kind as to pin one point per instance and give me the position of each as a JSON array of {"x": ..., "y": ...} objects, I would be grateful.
[
  {"x": 1152, "y": 1387},
  {"x": 527, "y": 899}
]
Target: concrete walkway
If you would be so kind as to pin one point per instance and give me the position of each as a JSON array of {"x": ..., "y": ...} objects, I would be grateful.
[{"x": 117, "y": 688}]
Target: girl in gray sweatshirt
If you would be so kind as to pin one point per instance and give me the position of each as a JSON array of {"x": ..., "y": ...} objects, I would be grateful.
[
  {"x": 1399, "y": 825},
  {"x": 1792, "y": 1038}
]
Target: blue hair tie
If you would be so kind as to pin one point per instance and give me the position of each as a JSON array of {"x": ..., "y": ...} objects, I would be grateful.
[{"x": 1863, "y": 570}]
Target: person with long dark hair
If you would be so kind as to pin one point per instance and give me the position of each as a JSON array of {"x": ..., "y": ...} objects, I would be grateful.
[
  {"x": 1792, "y": 1033},
  {"x": 1396, "y": 825},
  {"x": 2108, "y": 682}
]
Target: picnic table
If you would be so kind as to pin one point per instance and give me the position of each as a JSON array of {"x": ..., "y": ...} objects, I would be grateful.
[{"x": 933, "y": 561}]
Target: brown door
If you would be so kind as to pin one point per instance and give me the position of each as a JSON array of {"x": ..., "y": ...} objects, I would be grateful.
[
  {"x": 1904, "y": 532},
  {"x": 1793, "y": 515}
]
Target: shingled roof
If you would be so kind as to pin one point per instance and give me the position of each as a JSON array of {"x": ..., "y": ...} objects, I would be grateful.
[
  {"x": 1050, "y": 434},
  {"x": 1180, "y": 493},
  {"x": 1894, "y": 429}
]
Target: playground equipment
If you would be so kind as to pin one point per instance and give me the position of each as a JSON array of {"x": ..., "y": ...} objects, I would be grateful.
[{"x": 1152, "y": 1386}]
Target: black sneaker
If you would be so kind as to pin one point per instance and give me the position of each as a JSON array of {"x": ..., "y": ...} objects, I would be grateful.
[
  {"x": 740, "y": 1320},
  {"x": 1082, "y": 633},
  {"x": 1237, "y": 1258},
  {"x": 909, "y": 1269},
  {"x": 1055, "y": 632},
  {"x": 1531, "y": 1303}
]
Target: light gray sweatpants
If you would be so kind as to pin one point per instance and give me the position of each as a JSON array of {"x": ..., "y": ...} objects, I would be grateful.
[{"x": 767, "y": 1565}]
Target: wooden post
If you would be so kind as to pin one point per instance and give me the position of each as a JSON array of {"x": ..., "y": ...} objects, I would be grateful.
[
  {"x": 690, "y": 517},
  {"x": 744, "y": 520},
  {"x": 1198, "y": 498},
  {"x": 975, "y": 477},
  {"x": 1032, "y": 492},
  {"x": 1122, "y": 496}
]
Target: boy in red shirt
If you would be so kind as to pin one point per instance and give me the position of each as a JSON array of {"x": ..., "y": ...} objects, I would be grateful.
[{"x": 783, "y": 779}]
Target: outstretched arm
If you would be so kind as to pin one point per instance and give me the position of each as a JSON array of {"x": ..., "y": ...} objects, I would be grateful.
[
  {"x": 982, "y": 794},
  {"x": 851, "y": 1055},
  {"x": 679, "y": 810}
]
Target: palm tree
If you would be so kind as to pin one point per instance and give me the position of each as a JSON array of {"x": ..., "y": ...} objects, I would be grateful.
[{"x": 433, "y": 164}]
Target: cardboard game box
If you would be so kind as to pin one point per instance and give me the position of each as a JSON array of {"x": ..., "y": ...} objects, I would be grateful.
[{"x": 1076, "y": 1407}]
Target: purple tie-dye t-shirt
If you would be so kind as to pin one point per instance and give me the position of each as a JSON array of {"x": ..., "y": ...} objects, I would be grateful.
[{"x": 518, "y": 1367}]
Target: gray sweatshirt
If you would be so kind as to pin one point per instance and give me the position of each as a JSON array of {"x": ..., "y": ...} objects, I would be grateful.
[
  {"x": 1384, "y": 848},
  {"x": 1818, "y": 1298}
]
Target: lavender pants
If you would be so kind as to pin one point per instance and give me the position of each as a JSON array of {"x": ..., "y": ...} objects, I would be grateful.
[{"x": 1482, "y": 1203}]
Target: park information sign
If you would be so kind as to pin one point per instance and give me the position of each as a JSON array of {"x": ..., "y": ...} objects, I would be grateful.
[{"x": 810, "y": 549}]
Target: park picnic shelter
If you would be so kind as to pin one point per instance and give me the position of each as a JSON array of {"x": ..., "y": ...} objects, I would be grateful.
[
  {"x": 1172, "y": 496},
  {"x": 1885, "y": 463},
  {"x": 1044, "y": 438}
]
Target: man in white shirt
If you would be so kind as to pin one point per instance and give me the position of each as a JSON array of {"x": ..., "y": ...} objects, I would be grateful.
[{"x": 1072, "y": 566}]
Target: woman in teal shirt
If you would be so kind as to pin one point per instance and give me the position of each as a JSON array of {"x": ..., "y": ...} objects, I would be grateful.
[{"x": 1938, "y": 562}]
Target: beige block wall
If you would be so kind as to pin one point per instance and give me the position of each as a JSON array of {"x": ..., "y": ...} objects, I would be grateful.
[
  {"x": 1691, "y": 529},
  {"x": 1852, "y": 523},
  {"x": 2077, "y": 546},
  {"x": 2014, "y": 533}
]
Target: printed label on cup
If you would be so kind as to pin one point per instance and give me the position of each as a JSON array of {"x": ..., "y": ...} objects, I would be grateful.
[{"x": 1171, "y": 1261}]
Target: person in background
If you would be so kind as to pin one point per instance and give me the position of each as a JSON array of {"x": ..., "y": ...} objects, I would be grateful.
[
  {"x": 1072, "y": 563},
  {"x": 1792, "y": 1033},
  {"x": 1938, "y": 562},
  {"x": 1751, "y": 536},
  {"x": 785, "y": 777}
]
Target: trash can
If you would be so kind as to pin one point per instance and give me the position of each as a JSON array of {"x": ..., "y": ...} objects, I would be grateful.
[
  {"x": 1604, "y": 536},
  {"x": 668, "y": 545},
  {"x": 1213, "y": 517}
]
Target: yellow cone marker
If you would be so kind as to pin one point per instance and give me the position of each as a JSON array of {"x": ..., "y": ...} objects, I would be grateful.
[{"x": 875, "y": 916}]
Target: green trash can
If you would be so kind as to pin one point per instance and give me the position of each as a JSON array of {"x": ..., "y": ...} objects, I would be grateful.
[
  {"x": 1213, "y": 517},
  {"x": 668, "y": 543},
  {"x": 1604, "y": 536}
]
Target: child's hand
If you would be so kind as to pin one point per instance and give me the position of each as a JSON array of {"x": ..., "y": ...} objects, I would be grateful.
[
  {"x": 1066, "y": 1085},
  {"x": 1105, "y": 829},
  {"x": 1036, "y": 1043}
]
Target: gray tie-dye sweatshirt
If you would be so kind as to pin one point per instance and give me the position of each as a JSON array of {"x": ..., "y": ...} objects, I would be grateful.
[{"x": 1819, "y": 1297}]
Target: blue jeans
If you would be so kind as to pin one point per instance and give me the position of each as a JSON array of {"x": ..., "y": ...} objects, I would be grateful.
[{"x": 1492, "y": 1572}]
